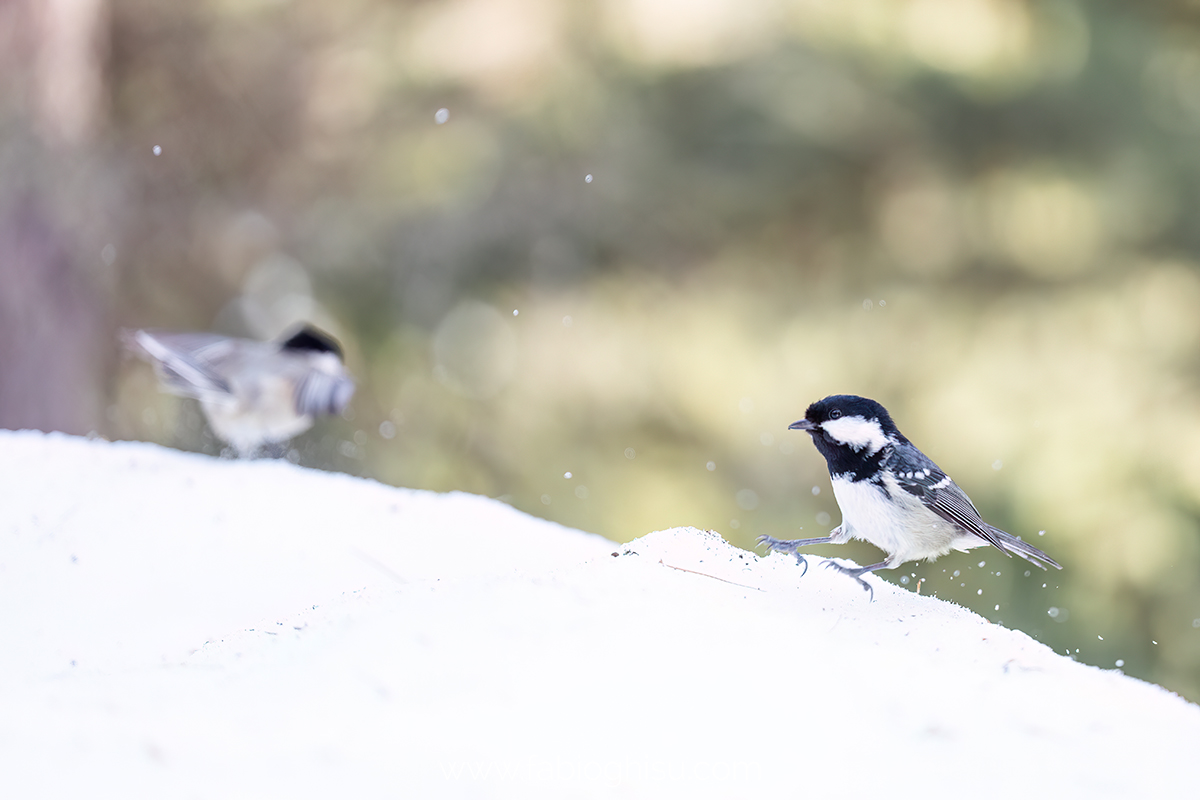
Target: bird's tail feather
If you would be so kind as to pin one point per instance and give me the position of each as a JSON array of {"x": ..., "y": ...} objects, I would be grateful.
[
  {"x": 180, "y": 372},
  {"x": 1024, "y": 549}
]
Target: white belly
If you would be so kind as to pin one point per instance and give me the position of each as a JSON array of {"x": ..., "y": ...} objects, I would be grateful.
[
  {"x": 902, "y": 526},
  {"x": 262, "y": 412}
]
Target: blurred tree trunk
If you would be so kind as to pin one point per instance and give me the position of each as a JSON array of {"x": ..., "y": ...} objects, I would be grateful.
[
  {"x": 70, "y": 46},
  {"x": 53, "y": 320},
  {"x": 53, "y": 347}
]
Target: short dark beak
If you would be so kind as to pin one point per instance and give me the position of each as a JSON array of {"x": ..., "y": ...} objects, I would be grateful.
[{"x": 802, "y": 425}]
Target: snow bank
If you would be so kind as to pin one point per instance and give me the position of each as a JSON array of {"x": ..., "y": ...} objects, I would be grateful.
[{"x": 173, "y": 625}]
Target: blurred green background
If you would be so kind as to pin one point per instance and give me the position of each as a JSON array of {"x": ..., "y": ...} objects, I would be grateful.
[{"x": 631, "y": 240}]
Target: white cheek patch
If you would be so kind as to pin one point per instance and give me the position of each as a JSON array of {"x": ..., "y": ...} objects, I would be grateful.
[
  {"x": 327, "y": 362},
  {"x": 856, "y": 432}
]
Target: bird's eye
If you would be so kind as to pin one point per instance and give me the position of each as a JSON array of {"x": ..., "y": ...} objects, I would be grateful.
[{"x": 835, "y": 414}]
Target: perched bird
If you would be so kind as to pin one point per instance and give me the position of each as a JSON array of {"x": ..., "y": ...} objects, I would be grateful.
[
  {"x": 252, "y": 393},
  {"x": 891, "y": 494}
]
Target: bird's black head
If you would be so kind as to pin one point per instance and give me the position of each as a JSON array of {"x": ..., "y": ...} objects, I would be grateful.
[
  {"x": 312, "y": 340},
  {"x": 850, "y": 431}
]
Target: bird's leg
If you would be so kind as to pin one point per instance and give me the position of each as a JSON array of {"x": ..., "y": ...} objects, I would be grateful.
[
  {"x": 857, "y": 573},
  {"x": 274, "y": 450},
  {"x": 791, "y": 546}
]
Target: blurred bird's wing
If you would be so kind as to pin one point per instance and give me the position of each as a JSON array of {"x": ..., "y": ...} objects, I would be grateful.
[
  {"x": 919, "y": 476},
  {"x": 185, "y": 361}
]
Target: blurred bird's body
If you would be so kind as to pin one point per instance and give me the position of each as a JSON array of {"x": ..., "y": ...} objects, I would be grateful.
[{"x": 252, "y": 393}]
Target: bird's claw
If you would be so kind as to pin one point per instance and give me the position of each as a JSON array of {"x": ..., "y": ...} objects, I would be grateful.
[
  {"x": 777, "y": 545},
  {"x": 853, "y": 573},
  {"x": 781, "y": 546}
]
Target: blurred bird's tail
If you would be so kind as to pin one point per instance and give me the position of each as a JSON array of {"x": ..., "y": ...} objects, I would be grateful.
[
  {"x": 1024, "y": 549},
  {"x": 177, "y": 359}
]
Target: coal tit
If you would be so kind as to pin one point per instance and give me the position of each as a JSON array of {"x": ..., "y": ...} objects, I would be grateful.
[
  {"x": 890, "y": 493},
  {"x": 252, "y": 393}
]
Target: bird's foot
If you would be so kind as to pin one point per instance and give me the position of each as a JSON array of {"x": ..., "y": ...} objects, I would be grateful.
[
  {"x": 786, "y": 546},
  {"x": 273, "y": 450},
  {"x": 853, "y": 572},
  {"x": 778, "y": 545}
]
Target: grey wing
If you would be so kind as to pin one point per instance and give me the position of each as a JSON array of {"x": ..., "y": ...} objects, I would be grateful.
[
  {"x": 919, "y": 476},
  {"x": 320, "y": 393},
  {"x": 184, "y": 360}
]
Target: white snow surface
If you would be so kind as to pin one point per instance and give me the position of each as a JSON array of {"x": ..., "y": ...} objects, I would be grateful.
[{"x": 173, "y": 625}]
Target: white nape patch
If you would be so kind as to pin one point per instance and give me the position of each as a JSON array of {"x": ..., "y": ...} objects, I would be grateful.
[{"x": 856, "y": 432}]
